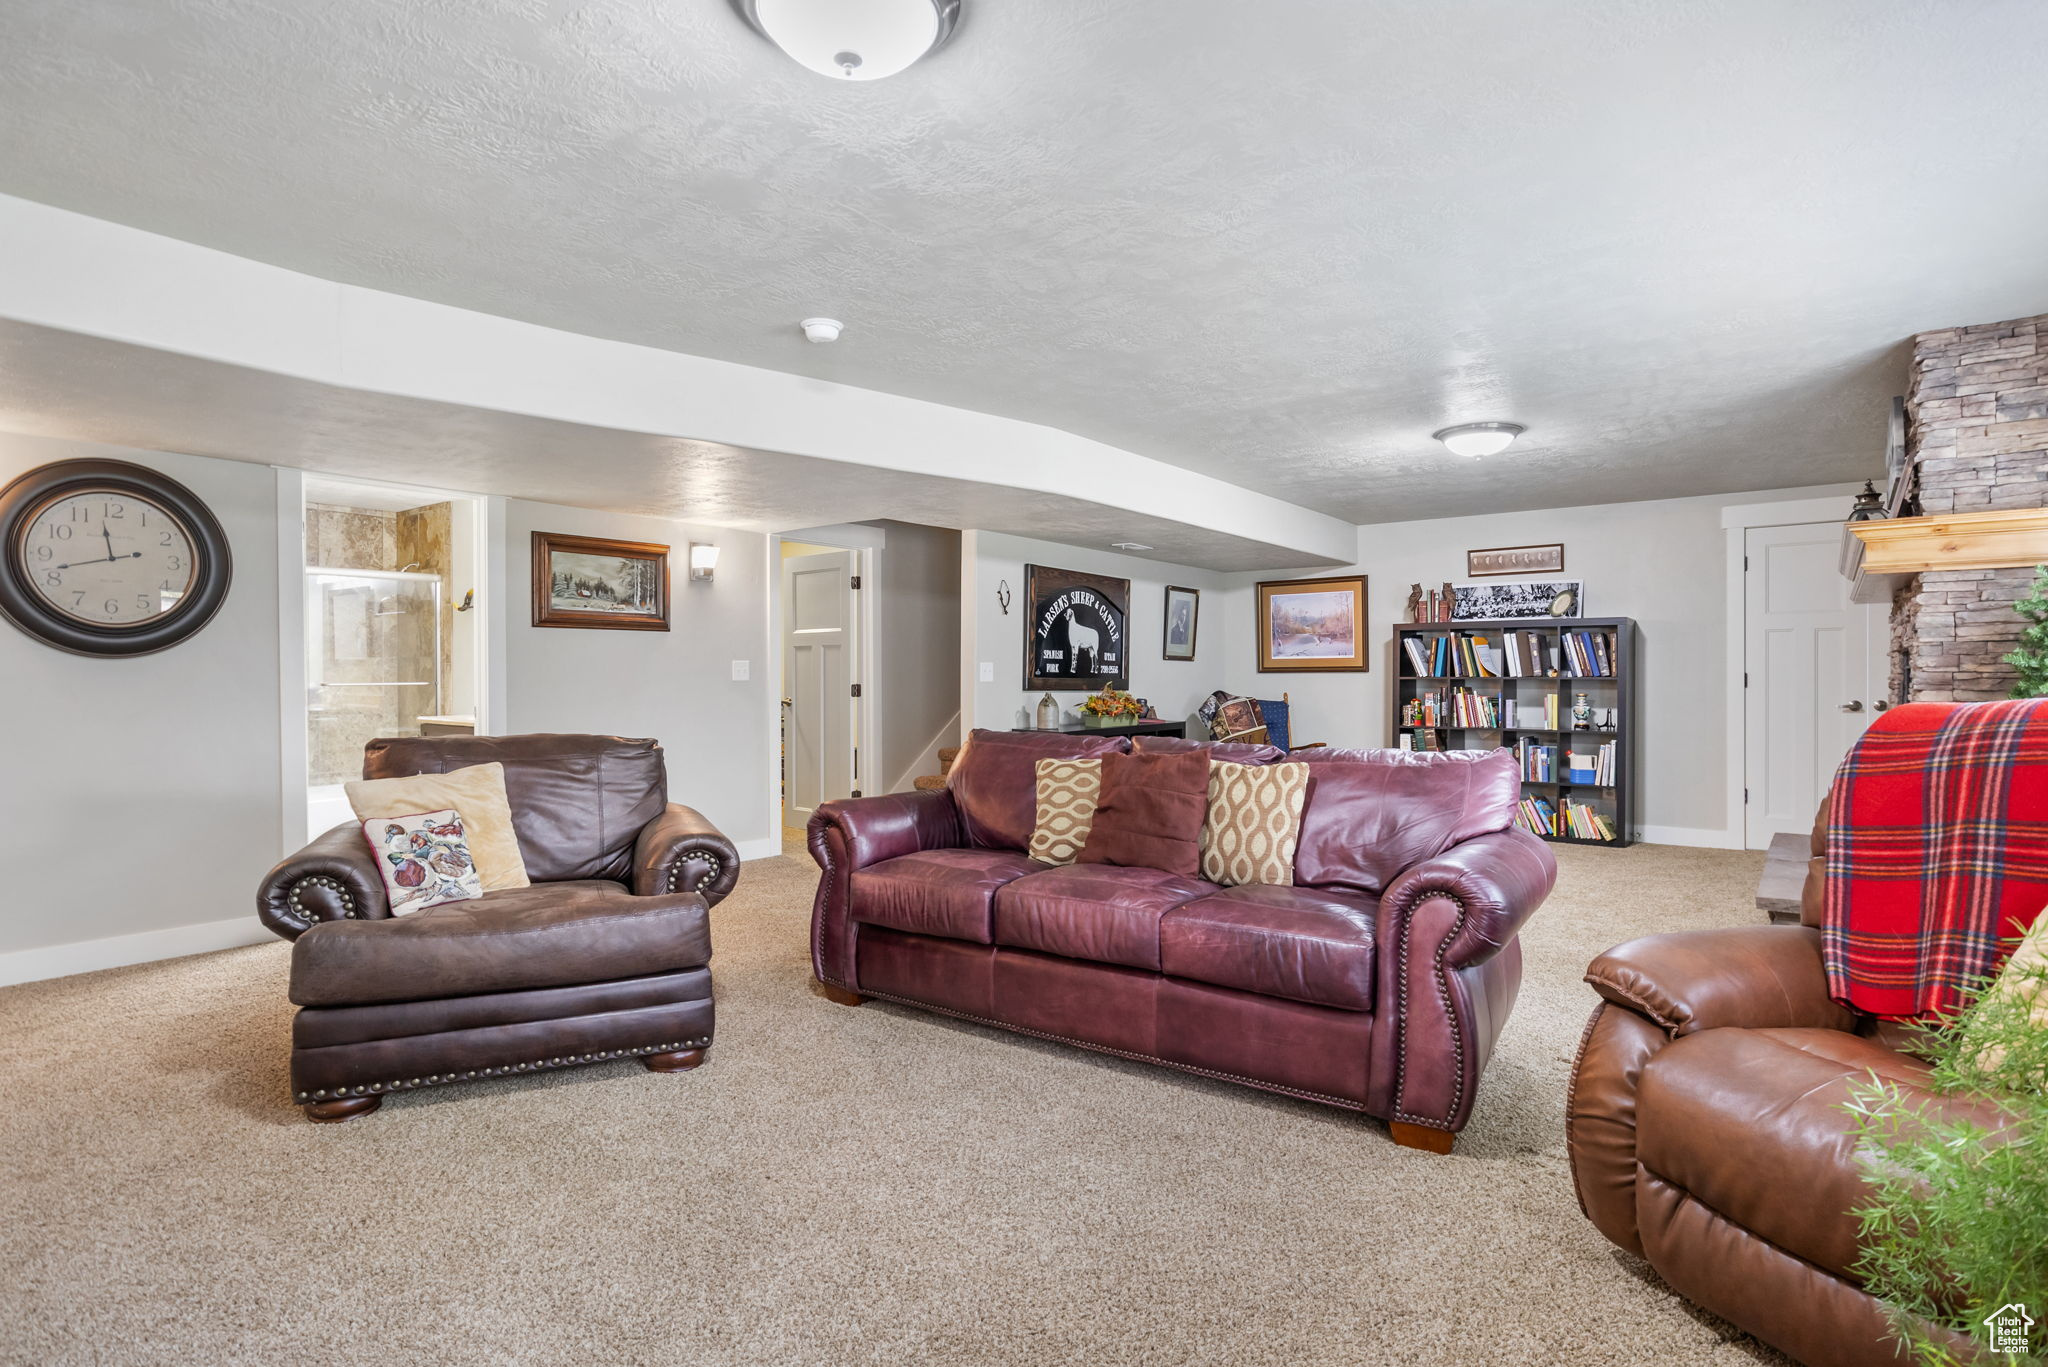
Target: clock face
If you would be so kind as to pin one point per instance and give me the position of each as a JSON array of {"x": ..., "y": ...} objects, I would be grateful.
[{"x": 107, "y": 558}]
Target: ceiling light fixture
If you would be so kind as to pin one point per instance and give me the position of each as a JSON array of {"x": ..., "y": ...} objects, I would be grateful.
[
  {"x": 853, "y": 40},
  {"x": 821, "y": 329},
  {"x": 1477, "y": 439}
]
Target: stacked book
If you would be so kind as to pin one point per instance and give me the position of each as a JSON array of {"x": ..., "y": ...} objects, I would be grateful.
[
  {"x": 1527, "y": 655},
  {"x": 1539, "y": 762},
  {"x": 1538, "y": 816},
  {"x": 1589, "y": 653},
  {"x": 1453, "y": 655},
  {"x": 1458, "y": 707}
]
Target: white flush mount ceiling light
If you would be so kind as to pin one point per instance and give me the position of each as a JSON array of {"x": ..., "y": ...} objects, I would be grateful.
[
  {"x": 1477, "y": 439},
  {"x": 821, "y": 329},
  {"x": 853, "y": 40}
]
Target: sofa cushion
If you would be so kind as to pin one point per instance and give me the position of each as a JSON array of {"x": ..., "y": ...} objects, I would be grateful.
[
  {"x": 578, "y": 802},
  {"x": 1305, "y": 944},
  {"x": 994, "y": 780},
  {"x": 1750, "y": 1123},
  {"x": 1371, "y": 814},
  {"x": 1233, "y": 751},
  {"x": 1068, "y": 790},
  {"x": 1253, "y": 823},
  {"x": 1150, "y": 813},
  {"x": 1103, "y": 913},
  {"x": 547, "y": 935},
  {"x": 477, "y": 792},
  {"x": 937, "y": 892}
]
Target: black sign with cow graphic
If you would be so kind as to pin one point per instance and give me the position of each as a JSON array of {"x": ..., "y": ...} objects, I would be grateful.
[{"x": 1075, "y": 635}]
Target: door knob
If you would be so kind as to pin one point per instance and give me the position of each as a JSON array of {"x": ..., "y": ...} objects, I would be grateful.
[
  {"x": 1881, "y": 704},
  {"x": 1856, "y": 706}
]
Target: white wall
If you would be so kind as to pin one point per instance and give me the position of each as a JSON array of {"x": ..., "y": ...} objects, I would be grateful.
[
  {"x": 139, "y": 797},
  {"x": 1175, "y": 687},
  {"x": 1662, "y": 563},
  {"x": 673, "y": 685},
  {"x": 917, "y": 647}
]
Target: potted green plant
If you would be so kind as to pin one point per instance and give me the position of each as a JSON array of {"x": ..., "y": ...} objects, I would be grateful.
[
  {"x": 2030, "y": 661},
  {"x": 1955, "y": 1238}
]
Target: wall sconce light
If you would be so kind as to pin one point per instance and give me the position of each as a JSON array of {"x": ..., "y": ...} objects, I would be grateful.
[{"x": 703, "y": 560}]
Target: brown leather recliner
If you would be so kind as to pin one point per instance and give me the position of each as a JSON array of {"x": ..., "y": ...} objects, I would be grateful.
[
  {"x": 604, "y": 957},
  {"x": 1707, "y": 1133}
]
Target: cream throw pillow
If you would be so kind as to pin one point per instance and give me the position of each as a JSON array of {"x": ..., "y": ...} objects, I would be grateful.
[
  {"x": 1254, "y": 823},
  {"x": 477, "y": 792},
  {"x": 2021, "y": 981},
  {"x": 1068, "y": 790}
]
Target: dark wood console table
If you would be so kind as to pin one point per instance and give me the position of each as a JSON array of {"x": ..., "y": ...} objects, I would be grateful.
[{"x": 1128, "y": 728}]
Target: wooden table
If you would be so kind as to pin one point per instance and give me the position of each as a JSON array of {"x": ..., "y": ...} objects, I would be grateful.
[
  {"x": 1127, "y": 728},
  {"x": 1778, "y": 891}
]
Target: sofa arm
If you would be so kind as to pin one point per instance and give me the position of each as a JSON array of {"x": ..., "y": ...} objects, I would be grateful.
[
  {"x": 1750, "y": 977},
  {"x": 850, "y": 835},
  {"x": 1448, "y": 971},
  {"x": 680, "y": 851},
  {"x": 333, "y": 879}
]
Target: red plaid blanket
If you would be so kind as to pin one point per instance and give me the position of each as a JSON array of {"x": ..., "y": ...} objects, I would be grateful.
[{"x": 1937, "y": 853}]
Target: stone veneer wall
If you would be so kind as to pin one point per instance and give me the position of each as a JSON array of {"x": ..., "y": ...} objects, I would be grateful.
[{"x": 1977, "y": 429}]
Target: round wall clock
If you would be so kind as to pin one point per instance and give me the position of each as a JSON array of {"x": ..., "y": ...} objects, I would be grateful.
[{"x": 102, "y": 557}]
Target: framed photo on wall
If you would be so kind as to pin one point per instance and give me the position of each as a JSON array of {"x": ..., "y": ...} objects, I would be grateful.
[
  {"x": 1183, "y": 617},
  {"x": 1075, "y": 636},
  {"x": 1311, "y": 625},
  {"x": 588, "y": 581}
]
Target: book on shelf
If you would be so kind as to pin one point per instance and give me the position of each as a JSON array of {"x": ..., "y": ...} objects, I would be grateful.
[
  {"x": 1589, "y": 653},
  {"x": 1540, "y": 816}
]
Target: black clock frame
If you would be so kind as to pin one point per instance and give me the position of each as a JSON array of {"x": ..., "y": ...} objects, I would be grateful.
[{"x": 212, "y": 571}]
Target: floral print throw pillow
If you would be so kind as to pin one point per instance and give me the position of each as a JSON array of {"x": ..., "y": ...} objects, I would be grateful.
[{"x": 424, "y": 858}]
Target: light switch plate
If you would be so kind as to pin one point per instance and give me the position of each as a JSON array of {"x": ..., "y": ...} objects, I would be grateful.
[
  {"x": 988, "y": 671},
  {"x": 742, "y": 670}
]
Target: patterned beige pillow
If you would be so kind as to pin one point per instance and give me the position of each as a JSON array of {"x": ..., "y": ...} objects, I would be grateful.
[
  {"x": 1254, "y": 822},
  {"x": 1068, "y": 790}
]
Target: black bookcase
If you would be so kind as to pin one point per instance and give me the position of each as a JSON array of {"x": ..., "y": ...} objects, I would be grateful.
[{"x": 1479, "y": 703}]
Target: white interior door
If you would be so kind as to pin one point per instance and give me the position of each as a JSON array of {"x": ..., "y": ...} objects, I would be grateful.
[
  {"x": 1814, "y": 673},
  {"x": 820, "y": 643}
]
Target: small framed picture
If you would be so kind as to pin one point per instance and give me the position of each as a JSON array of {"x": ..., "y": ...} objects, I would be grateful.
[
  {"x": 588, "y": 581},
  {"x": 1183, "y": 616},
  {"x": 1312, "y": 625},
  {"x": 1515, "y": 560}
]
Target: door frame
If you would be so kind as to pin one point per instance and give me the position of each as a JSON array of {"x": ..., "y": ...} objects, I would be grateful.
[
  {"x": 1735, "y": 523},
  {"x": 294, "y": 765},
  {"x": 864, "y": 542}
]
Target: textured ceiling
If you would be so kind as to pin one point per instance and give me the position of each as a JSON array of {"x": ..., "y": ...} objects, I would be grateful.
[{"x": 1276, "y": 243}]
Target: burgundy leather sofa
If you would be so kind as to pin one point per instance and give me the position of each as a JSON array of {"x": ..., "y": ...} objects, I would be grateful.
[
  {"x": 1377, "y": 983},
  {"x": 1707, "y": 1134},
  {"x": 604, "y": 957}
]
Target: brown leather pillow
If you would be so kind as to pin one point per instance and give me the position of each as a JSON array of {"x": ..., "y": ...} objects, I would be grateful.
[{"x": 1151, "y": 812}]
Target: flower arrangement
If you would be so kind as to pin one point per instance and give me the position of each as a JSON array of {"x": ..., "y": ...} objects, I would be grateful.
[{"x": 1112, "y": 704}]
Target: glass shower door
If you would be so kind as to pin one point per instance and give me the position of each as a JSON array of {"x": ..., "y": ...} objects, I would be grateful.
[{"x": 373, "y": 663}]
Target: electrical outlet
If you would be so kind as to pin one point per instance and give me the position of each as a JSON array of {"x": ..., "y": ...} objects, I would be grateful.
[
  {"x": 988, "y": 671},
  {"x": 742, "y": 670}
]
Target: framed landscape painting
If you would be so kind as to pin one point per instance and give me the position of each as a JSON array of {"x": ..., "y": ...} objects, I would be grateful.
[
  {"x": 1311, "y": 625},
  {"x": 587, "y": 581}
]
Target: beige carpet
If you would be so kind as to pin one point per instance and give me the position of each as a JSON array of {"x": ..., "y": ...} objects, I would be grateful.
[{"x": 835, "y": 1186}]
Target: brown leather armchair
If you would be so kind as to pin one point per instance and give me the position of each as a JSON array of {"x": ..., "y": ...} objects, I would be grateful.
[
  {"x": 1707, "y": 1133},
  {"x": 604, "y": 957}
]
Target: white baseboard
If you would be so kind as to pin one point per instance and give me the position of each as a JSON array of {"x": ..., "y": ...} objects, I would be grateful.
[
  {"x": 117, "y": 951},
  {"x": 765, "y": 848},
  {"x": 1698, "y": 837}
]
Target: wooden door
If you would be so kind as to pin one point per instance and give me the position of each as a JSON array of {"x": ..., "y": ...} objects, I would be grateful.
[
  {"x": 819, "y": 666},
  {"x": 1813, "y": 673}
]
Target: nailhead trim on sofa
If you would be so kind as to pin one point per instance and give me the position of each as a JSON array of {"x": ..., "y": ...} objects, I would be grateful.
[
  {"x": 348, "y": 899},
  {"x": 538, "y": 1065},
  {"x": 675, "y": 870},
  {"x": 1443, "y": 992}
]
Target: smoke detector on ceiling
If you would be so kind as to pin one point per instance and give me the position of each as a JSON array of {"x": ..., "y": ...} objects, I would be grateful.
[{"x": 821, "y": 329}]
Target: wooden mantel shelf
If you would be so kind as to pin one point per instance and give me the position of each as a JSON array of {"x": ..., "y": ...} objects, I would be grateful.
[{"x": 1877, "y": 555}]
